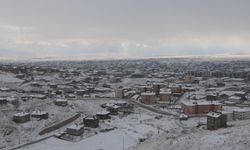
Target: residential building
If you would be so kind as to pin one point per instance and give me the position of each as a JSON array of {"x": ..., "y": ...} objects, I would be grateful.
[
  {"x": 148, "y": 98},
  {"x": 216, "y": 120},
  {"x": 193, "y": 107}
]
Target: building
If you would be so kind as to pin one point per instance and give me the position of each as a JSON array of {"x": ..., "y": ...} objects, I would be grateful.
[
  {"x": 176, "y": 88},
  {"x": 61, "y": 102},
  {"x": 143, "y": 89},
  {"x": 40, "y": 114},
  {"x": 21, "y": 117},
  {"x": 193, "y": 107},
  {"x": 92, "y": 122},
  {"x": 75, "y": 130},
  {"x": 148, "y": 98},
  {"x": 216, "y": 120},
  {"x": 3, "y": 100},
  {"x": 103, "y": 115},
  {"x": 241, "y": 114},
  {"x": 235, "y": 99},
  {"x": 229, "y": 115},
  {"x": 157, "y": 87},
  {"x": 188, "y": 79},
  {"x": 165, "y": 96},
  {"x": 119, "y": 92},
  {"x": 114, "y": 109},
  {"x": 211, "y": 96},
  {"x": 80, "y": 92}
]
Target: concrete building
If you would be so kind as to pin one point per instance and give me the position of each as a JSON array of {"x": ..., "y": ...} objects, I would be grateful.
[
  {"x": 200, "y": 107},
  {"x": 21, "y": 117},
  {"x": 75, "y": 130},
  {"x": 148, "y": 98},
  {"x": 143, "y": 89},
  {"x": 103, "y": 115},
  {"x": 241, "y": 114},
  {"x": 176, "y": 88},
  {"x": 165, "y": 96},
  {"x": 229, "y": 115},
  {"x": 235, "y": 99},
  {"x": 92, "y": 122},
  {"x": 40, "y": 114},
  {"x": 157, "y": 87},
  {"x": 119, "y": 92},
  {"x": 216, "y": 120},
  {"x": 61, "y": 102}
]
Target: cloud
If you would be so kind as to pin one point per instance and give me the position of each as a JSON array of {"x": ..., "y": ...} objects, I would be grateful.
[{"x": 116, "y": 28}]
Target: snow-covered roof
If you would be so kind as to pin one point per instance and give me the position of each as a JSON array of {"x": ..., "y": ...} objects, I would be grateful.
[
  {"x": 103, "y": 113},
  {"x": 39, "y": 113},
  {"x": 61, "y": 100},
  {"x": 165, "y": 93},
  {"x": 200, "y": 102},
  {"x": 147, "y": 94},
  {"x": 135, "y": 97},
  {"x": 21, "y": 114},
  {"x": 228, "y": 93},
  {"x": 214, "y": 114},
  {"x": 242, "y": 110},
  {"x": 75, "y": 127},
  {"x": 234, "y": 97}
]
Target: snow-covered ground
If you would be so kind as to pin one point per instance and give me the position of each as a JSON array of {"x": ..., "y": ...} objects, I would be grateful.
[
  {"x": 235, "y": 137},
  {"x": 8, "y": 78},
  {"x": 129, "y": 130}
]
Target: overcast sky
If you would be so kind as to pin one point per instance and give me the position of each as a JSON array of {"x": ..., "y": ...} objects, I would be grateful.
[{"x": 123, "y": 28}]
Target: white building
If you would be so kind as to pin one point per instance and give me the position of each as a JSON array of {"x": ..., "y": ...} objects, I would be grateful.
[{"x": 241, "y": 114}]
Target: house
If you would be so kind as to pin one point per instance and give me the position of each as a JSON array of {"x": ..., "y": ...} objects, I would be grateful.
[
  {"x": 80, "y": 92},
  {"x": 235, "y": 99},
  {"x": 241, "y": 114},
  {"x": 125, "y": 107},
  {"x": 3, "y": 100},
  {"x": 21, "y": 117},
  {"x": 193, "y": 107},
  {"x": 216, "y": 120},
  {"x": 71, "y": 96},
  {"x": 75, "y": 130},
  {"x": 25, "y": 97},
  {"x": 52, "y": 85},
  {"x": 38, "y": 96},
  {"x": 148, "y": 98},
  {"x": 211, "y": 96},
  {"x": 92, "y": 122},
  {"x": 113, "y": 109},
  {"x": 35, "y": 84},
  {"x": 103, "y": 115},
  {"x": 61, "y": 102},
  {"x": 13, "y": 100},
  {"x": 40, "y": 114},
  {"x": 20, "y": 76},
  {"x": 5, "y": 89}
]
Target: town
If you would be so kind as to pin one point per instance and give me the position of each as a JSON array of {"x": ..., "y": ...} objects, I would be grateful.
[{"x": 172, "y": 103}]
